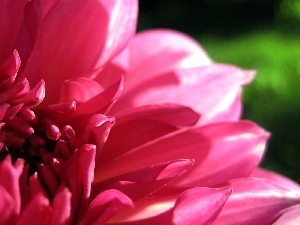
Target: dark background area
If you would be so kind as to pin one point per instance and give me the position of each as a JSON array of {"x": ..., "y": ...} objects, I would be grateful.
[{"x": 261, "y": 35}]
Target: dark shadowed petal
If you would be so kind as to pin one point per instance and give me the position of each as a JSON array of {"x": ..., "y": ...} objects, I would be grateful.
[
  {"x": 11, "y": 19},
  {"x": 255, "y": 201}
]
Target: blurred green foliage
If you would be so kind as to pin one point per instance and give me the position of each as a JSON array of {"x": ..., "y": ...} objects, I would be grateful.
[{"x": 253, "y": 34}]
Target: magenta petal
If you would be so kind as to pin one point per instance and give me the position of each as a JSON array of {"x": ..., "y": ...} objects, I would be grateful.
[
  {"x": 277, "y": 179},
  {"x": 69, "y": 47},
  {"x": 146, "y": 181},
  {"x": 61, "y": 208},
  {"x": 255, "y": 201},
  {"x": 176, "y": 115},
  {"x": 79, "y": 90},
  {"x": 97, "y": 130},
  {"x": 197, "y": 88},
  {"x": 170, "y": 50},
  {"x": 291, "y": 216},
  {"x": 104, "y": 206},
  {"x": 199, "y": 205},
  {"x": 208, "y": 146},
  {"x": 9, "y": 69},
  {"x": 11, "y": 18},
  {"x": 141, "y": 125},
  {"x": 36, "y": 212},
  {"x": 121, "y": 27},
  {"x": 7, "y": 205},
  {"x": 78, "y": 174},
  {"x": 9, "y": 180},
  {"x": 194, "y": 206},
  {"x": 101, "y": 102}
]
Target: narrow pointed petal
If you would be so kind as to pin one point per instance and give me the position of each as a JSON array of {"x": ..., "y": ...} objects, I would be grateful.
[
  {"x": 199, "y": 205},
  {"x": 101, "y": 102},
  {"x": 96, "y": 131},
  {"x": 9, "y": 69},
  {"x": 146, "y": 181},
  {"x": 193, "y": 206},
  {"x": 104, "y": 206},
  {"x": 78, "y": 174},
  {"x": 255, "y": 201},
  {"x": 291, "y": 216}
]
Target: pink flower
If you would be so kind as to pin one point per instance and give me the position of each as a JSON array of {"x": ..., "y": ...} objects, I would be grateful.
[{"x": 99, "y": 125}]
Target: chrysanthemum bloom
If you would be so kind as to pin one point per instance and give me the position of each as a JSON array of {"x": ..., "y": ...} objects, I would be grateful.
[{"x": 99, "y": 125}]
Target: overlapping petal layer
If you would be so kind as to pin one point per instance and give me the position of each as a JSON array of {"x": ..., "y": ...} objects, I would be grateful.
[{"x": 102, "y": 126}]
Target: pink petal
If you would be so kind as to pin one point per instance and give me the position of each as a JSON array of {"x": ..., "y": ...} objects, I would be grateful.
[
  {"x": 144, "y": 124},
  {"x": 69, "y": 47},
  {"x": 197, "y": 88},
  {"x": 9, "y": 180},
  {"x": 176, "y": 115},
  {"x": 79, "y": 90},
  {"x": 33, "y": 97},
  {"x": 212, "y": 147},
  {"x": 96, "y": 131},
  {"x": 155, "y": 52},
  {"x": 277, "y": 179},
  {"x": 122, "y": 26},
  {"x": 146, "y": 181},
  {"x": 49, "y": 178},
  {"x": 37, "y": 212},
  {"x": 101, "y": 102},
  {"x": 194, "y": 206},
  {"x": 199, "y": 205},
  {"x": 7, "y": 207},
  {"x": 255, "y": 201},
  {"x": 11, "y": 17},
  {"x": 61, "y": 208},
  {"x": 78, "y": 174},
  {"x": 15, "y": 92},
  {"x": 291, "y": 216},
  {"x": 104, "y": 206},
  {"x": 9, "y": 69}
]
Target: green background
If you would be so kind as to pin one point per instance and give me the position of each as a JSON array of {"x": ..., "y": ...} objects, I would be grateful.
[{"x": 255, "y": 34}]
